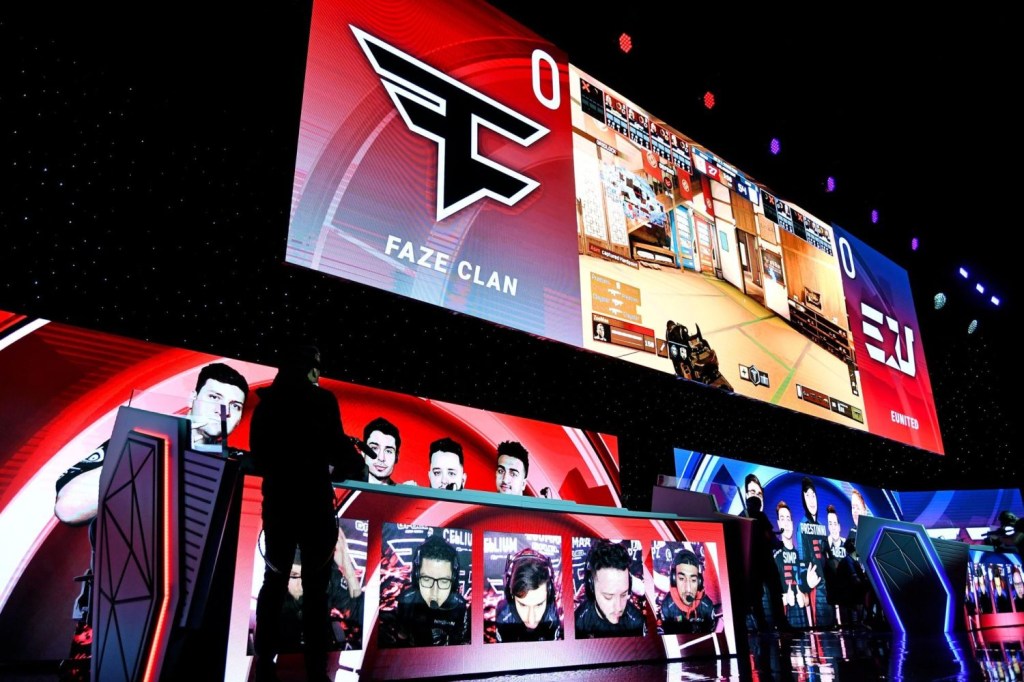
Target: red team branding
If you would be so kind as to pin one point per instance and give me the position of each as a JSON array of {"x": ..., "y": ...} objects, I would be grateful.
[{"x": 452, "y": 114}]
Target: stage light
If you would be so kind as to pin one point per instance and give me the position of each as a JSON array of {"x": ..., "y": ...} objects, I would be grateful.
[
  {"x": 775, "y": 146},
  {"x": 980, "y": 288},
  {"x": 995, "y": 300},
  {"x": 972, "y": 327},
  {"x": 874, "y": 216},
  {"x": 709, "y": 99},
  {"x": 625, "y": 43},
  {"x": 914, "y": 244},
  {"x": 963, "y": 273},
  {"x": 830, "y": 184},
  {"x": 940, "y": 300}
]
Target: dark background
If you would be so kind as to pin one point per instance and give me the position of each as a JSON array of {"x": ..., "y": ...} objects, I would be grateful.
[{"x": 149, "y": 161}]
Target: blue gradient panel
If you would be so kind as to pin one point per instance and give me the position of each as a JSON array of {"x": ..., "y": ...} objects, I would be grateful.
[
  {"x": 907, "y": 575},
  {"x": 958, "y": 509},
  {"x": 723, "y": 478}
]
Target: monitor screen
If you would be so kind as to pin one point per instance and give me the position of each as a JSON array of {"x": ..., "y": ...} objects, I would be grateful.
[
  {"x": 468, "y": 164},
  {"x": 970, "y": 516},
  {"x": 994, "y": 595},
  {"x": 62, "y": 389},
  {"x": 457, "y": 582}
]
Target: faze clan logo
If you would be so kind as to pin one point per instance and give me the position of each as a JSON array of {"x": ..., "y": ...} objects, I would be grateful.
[
  {"x": 451, "y": 114},
  {"x": 901, "y": 361}
]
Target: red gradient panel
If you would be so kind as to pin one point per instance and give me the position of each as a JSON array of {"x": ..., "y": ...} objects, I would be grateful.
[{"x": 369, "y": 181}]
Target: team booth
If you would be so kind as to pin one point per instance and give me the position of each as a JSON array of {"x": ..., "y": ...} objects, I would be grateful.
[{"x": 179, "y": 564}]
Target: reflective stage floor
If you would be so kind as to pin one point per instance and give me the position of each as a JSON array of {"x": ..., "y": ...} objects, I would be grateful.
[{"x": 991, "y": 654}]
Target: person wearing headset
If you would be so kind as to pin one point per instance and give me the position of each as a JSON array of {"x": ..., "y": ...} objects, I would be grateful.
[
  {"x": 686, "y": 609},
  {"x": 608, "y": 609},
  {"x": 529, "y": 612},
  {"x": 431, "y": 611}
]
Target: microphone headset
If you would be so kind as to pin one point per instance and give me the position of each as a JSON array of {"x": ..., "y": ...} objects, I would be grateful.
[
  {"x": 605, "y": 548},
  {"x": 528, "y": 555},
  {"x": 441, "y": 547},
  {"x": 686, "y": 556}
]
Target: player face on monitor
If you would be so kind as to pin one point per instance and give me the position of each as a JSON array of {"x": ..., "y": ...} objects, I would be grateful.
[
  {"x": 510, "y": 477},
  {"x": 686, "y": 582},
  {"x": 786, "y": 525},
  {"x": 446, "y": 471},
  {"x": 532, "y": 605},
  {"x": 811, "y": 501},
  {"x": 205, "y": 410},
  {"x": 833, "y": 526},
  {"x": 383, "y": 446},
  {"x": 436, "y": 581},
  {"x": 857, "y": 508},
  {"x": 754, "y": 490},
  {"x": 611, "y": 589}
]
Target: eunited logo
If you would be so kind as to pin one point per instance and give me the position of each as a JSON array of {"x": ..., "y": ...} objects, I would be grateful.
[{"x": 450, "y": 113}]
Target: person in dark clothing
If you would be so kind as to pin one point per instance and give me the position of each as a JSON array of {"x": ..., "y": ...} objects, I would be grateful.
[
  {"x": 298, "y": 441},
  {"x": 431, "y": 611},
  {"x": 686, "y": 609},
  {"x": 608, "y": 609},
  {"x": 764, "y": 571},
  {"x": 529, "y": 612}
]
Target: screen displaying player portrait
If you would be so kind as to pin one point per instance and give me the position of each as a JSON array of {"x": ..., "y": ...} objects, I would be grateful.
[
  {"x": 609, "y": 597},
  {"x": 60, "y": 415},
  {"x": 424, "y": 586},
  {"x": 994, "y": 594},
  {"x": 345, "y": 600},
  {"x": 523, "y": 598},
  {"x": 816, "y": 519},
  {"x": 688, "y": 600},
  {"x": 408, "y": 563}
]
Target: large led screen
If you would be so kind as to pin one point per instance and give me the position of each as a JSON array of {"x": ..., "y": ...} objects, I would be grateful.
[
  {"x": 970, "y": 516},
  {"x": 450, "y": 155},
  {"x": 605, "y": 591},
  {"x": 816, "y": 519},
  {"x": 688, "y": 266},
  {"x": 434, "y": 161},
  {"x": 61, "y": 390},
  {"x": 994, "y": 595}
]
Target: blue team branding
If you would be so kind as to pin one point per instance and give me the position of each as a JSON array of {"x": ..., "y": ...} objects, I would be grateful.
[
  {"x": 450, "y": 113},
  {"x": 808, "y": 528}
]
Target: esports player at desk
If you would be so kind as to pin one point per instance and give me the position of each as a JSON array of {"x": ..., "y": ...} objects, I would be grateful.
[
  {"x": 431, "y": 611},
  {"x": 529, "y": 612},
  {"x": 686, "y": 609},
  {"x": 608, "y": 609}
]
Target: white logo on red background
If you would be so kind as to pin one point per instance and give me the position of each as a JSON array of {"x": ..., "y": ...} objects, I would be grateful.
[{"x": 450, "y": 113}]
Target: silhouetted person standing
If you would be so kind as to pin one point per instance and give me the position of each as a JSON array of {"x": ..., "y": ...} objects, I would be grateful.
[{"x": 298, "y": 441}]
